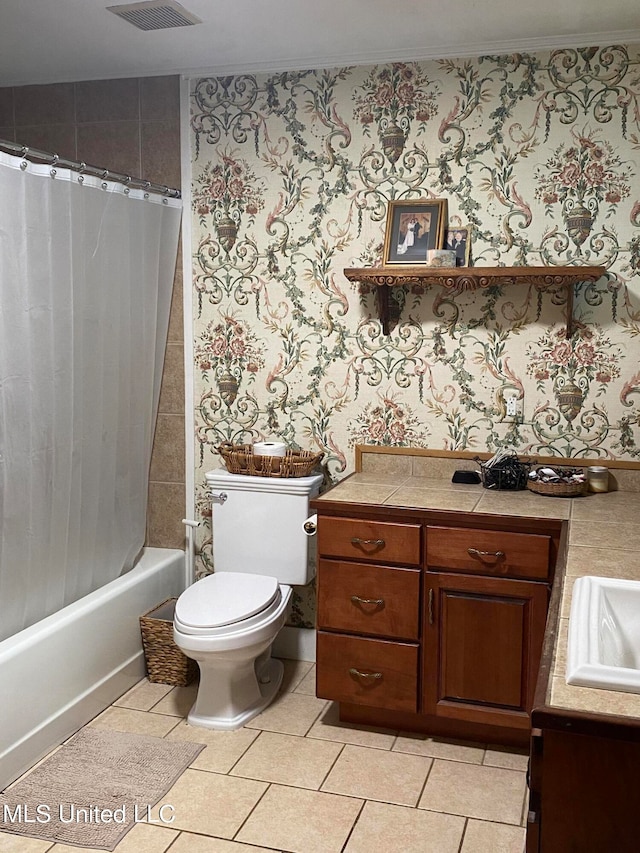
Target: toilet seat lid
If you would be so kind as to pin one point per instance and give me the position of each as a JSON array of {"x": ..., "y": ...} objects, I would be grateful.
[{"x": 224, "y": 598}]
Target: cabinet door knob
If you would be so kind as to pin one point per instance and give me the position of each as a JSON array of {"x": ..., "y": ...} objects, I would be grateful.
[
  {"x": 377, "y": 542},
  {"x": 358, "y": 673},
  {"x": 379, "y": 602},
  {"x": 496, "y": 555}
]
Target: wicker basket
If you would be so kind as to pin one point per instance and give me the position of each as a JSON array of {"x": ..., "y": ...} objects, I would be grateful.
[
  {"x": 240, "y": 459},
  {"x": 557, "y": 490},
  {"x": 166, "y": 663}
]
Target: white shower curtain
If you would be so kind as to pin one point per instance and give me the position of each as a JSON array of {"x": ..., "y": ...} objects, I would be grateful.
[{"x": 86, "y": 272}]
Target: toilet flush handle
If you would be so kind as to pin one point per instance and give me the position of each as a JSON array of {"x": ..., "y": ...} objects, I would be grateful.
[{"x": 218, "y": 498}]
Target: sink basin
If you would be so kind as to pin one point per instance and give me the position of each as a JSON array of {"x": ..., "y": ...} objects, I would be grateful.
[{"x": 604, "y": 634}]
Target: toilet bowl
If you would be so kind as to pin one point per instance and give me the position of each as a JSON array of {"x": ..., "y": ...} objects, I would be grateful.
[{"x": 227, "y": 623}]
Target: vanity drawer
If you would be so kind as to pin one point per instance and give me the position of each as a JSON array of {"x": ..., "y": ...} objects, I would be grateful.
[
  {"x": 367, "y": 672},
  {"x": 366, "y": 599},
  {"x": 375, "y": 541},
  {"x": 488, "y": 552}
]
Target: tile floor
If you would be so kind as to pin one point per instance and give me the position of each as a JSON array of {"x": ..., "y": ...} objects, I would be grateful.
[{"x": 294, "y": 779}]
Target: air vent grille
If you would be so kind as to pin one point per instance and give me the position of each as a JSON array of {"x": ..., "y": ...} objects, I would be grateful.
[{"x": 155, "y": 14}]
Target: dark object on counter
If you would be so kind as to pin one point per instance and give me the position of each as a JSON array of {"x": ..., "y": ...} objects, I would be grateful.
[
  {"x": 470, "y": 477},
  {"x": 507, "y": 473}
]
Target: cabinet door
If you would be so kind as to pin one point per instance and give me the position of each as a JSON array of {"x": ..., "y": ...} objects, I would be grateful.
[{"x": 483, "y": 638}]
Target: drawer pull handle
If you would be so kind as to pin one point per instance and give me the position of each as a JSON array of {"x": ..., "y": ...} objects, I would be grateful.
[
  {"x": 376, "y": 676},
  {"x": 358, "y": 541},
  {"x": 473, "y": 552},
  {"x": 379, "y": 602}
]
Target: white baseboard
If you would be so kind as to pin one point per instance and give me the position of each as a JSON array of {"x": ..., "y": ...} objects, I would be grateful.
[{"x": 295, "y": 644}]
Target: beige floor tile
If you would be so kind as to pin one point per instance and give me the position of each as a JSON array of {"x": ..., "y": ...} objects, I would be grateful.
[
  {"x": 398, "y": 829},
  {"x": 308, "y": 683},
  {"x": 329, "y": 727},
  {"x": 178, "y": 702},
  {"x": 190, "y": 843},
  {"x": 143, "y": 696},
  {"x": 289, "y": 713},
  {"x": 139, "y": 722},
  {"x": 19, "y": 844},
  {"x": 211, "y": 804},
  {"x": 223, "y": 749},
  {"x": 482, "y": 837},
  {"x": 487, "y": 793},
  {"x": 287, "y": 759},
  {"x": 300, "y": 821},
  {"x": 294, "y": 672},
  {"x": 453, "y": 750},
  {"x": 503, "y": 756},
  {"x": 143, "y": 838},
  {"x": 391, "y": 777}
]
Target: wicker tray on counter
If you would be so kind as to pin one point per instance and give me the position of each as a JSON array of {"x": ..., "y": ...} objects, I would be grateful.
[
  {"x": 557, "y": 490},
  {"x": 240, "y": 459}
]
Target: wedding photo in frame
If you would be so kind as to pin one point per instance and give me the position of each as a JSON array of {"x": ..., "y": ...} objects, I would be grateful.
[
  {"x": 458, "y": 240},
  {"x": 412, "y": 228}
]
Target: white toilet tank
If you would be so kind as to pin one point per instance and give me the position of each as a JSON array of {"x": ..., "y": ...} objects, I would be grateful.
[{"x": 258, "y": 528}]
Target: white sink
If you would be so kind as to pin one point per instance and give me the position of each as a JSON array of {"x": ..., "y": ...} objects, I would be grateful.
[{"x": 604, "y": 634}]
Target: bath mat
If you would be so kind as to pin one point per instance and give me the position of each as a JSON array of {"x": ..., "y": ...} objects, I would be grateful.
[{"x": 95, "y": 788}]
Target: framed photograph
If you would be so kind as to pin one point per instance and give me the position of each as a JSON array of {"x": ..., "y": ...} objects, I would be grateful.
[
  {"x": 412, "y": 228},
  {"x": 459, "y": 241}
]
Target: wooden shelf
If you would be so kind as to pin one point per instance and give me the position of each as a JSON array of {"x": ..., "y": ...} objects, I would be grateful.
[{"x": 463, "y": 279}]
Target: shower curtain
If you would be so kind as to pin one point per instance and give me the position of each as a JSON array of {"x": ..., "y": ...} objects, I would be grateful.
[{"x": 86, "y": 273}]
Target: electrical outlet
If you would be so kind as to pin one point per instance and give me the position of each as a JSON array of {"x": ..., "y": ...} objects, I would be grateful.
[{"x": 513, "y": 406}]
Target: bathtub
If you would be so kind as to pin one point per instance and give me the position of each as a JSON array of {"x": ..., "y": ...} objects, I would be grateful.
[{"x": 58, "y": 674}]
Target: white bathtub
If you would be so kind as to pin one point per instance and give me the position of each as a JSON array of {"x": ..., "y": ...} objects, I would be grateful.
[{"x": 58, "y": 674}]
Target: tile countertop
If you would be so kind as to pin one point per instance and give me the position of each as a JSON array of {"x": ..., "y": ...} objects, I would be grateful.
[{"x": 604, "y": 540}]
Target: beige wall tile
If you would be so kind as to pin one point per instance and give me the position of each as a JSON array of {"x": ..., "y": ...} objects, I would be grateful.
[
  {"x": 167, "y": 460},
  {"x": 114, "y": 145},
  {"x": 160, "y": 146},
  {"x": 8, "y": 133},
  {"x": 397, "y": 829},
  {"x": 6, "y": 106},
  {"x": 176, "y": 317},
  {"x": 372, "y": 774},
  {"x": 288, "y": 760},
  {"x": 108, "y": 100},
  {"x": 54, "y": 138},
  {"x": 47, "y": 104},
  {"x": 300, "y": 821},
  {"x": 386, "y": 463},
  {"x": 160, "y": 98},
  {"x": 487, "y": 793},
  {"x": 172, "y": 389},
  {"x": 165, "y": 512}
]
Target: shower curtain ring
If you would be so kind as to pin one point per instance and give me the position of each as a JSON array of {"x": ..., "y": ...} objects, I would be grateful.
[{"x": 54, "y": 160}]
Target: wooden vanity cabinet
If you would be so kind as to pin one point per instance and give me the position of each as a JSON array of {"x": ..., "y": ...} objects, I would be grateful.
[
  {"x": 431, "y": 626},
  {"x": 484, "y": 623}
]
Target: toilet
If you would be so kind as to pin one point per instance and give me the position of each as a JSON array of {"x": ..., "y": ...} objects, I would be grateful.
[{"x": 227, "y": 621}]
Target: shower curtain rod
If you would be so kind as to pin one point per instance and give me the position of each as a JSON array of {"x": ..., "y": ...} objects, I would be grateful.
[{"x": 50, "y": 159}]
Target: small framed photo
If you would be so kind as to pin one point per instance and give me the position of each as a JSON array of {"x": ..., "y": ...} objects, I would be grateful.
[
  {"x": 458, "y": 240},
  {"x": 412, "y": 228}
]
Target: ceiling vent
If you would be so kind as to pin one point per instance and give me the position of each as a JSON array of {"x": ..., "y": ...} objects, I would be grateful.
[{"x": 155, "y": 14}]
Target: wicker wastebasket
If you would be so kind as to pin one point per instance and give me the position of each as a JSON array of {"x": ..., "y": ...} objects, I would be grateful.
[{"x": 166, "y": 663}]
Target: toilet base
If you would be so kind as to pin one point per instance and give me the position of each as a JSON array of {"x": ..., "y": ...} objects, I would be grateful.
[{"x": 269, "y": 681}]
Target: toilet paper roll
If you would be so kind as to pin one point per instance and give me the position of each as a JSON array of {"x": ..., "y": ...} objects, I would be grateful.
[
  {"x": 270, "y": 448},
  {"x": 310, "y": 526}
]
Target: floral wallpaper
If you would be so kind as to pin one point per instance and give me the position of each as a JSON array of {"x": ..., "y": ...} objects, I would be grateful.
[{"x": 538, "y": 154}]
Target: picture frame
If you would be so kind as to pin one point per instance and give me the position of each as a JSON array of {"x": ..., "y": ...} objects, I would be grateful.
[
  {"x": 458, "y": 240},
  {"x": 413, "y": 227}
]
